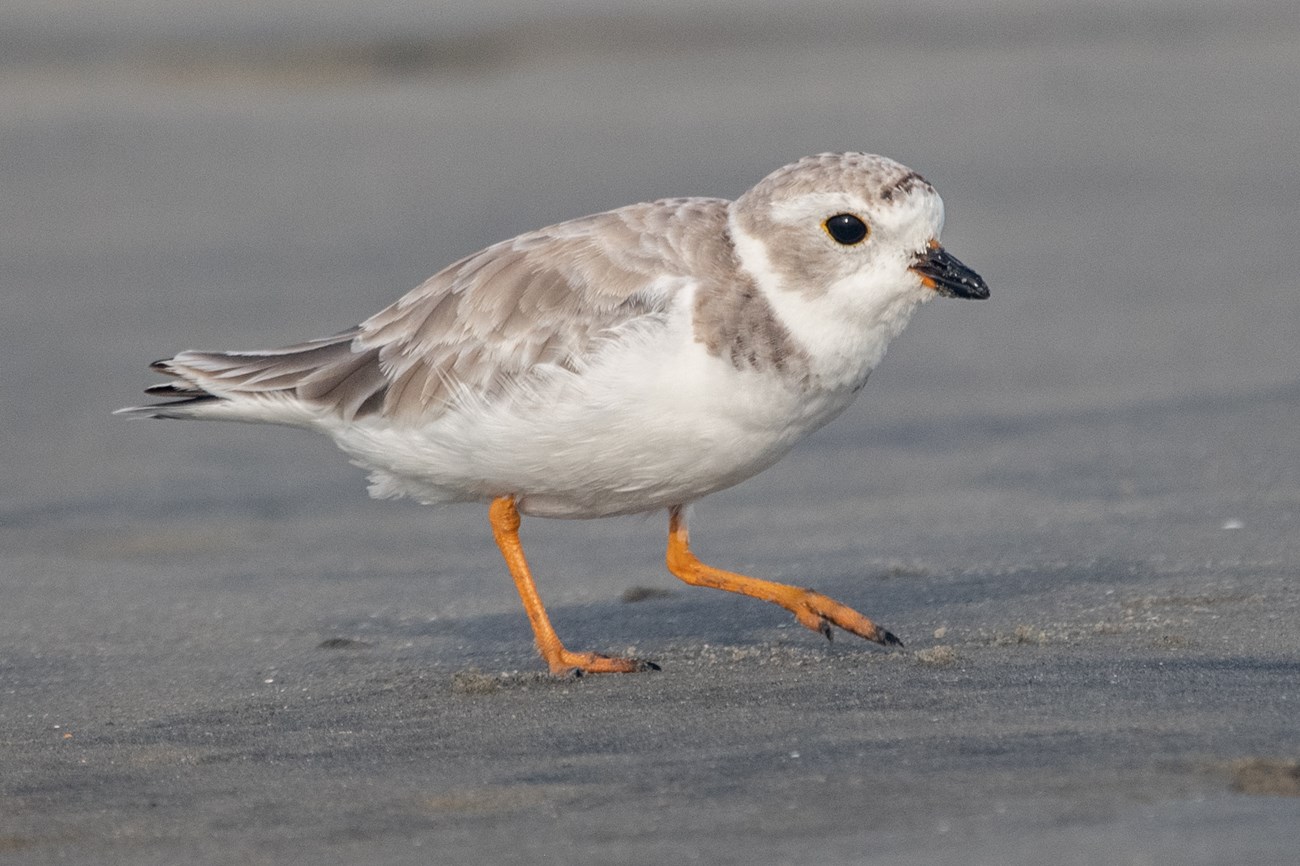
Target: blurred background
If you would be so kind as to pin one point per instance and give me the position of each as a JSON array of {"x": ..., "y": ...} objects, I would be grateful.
[{"x": 233, "y": 175}]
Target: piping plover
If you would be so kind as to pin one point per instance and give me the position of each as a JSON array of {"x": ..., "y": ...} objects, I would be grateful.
[{"x": 627, "y": 361}]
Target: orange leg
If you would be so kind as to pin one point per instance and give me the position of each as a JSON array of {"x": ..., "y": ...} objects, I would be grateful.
[
  {"x": 812, "y": 609},
  {"x": 505, "y": 527}
]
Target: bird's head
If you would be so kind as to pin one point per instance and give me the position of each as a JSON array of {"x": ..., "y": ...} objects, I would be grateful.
[{"x": 849, "y": 223}]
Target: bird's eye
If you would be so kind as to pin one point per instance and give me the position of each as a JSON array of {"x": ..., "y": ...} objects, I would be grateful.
[{"x": 846, "y": 229}]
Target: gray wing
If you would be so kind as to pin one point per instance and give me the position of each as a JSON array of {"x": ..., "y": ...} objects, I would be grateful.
[{"x": 547, "y": 297}]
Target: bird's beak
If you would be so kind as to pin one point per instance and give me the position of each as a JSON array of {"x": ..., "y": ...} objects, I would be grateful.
[{"x": 946, "y": 275}]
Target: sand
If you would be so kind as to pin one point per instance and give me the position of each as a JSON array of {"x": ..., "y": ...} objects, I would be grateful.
[{"x": 1078, "y": 503}]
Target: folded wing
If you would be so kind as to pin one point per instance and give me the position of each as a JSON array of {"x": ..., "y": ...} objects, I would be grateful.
[{"x": 483, "y": 325}]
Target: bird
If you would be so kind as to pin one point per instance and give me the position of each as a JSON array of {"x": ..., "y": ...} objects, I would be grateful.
[{"x": 630, "y": 361}]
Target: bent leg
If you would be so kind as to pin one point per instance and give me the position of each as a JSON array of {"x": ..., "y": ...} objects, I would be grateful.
[{"x": 812, "y": 609}]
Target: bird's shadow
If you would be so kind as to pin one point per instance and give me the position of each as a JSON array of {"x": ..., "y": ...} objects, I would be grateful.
[{"x": 662, "y": 617}]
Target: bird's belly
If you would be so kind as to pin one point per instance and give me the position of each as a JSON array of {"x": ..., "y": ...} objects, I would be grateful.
[{"x": 627, "y": 435}]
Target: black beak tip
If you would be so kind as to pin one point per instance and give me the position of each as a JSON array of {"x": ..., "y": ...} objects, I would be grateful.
[
  {"x": 978, "y": 290},
  {"x": 946, "y": 274}
]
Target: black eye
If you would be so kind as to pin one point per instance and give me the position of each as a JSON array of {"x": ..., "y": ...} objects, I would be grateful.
[{"x": 846, "y": 229}]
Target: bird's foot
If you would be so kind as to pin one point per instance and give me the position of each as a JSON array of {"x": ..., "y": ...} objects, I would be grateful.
[
  {"x": 566, "y": 663},
  {"x": 819, "y": 612}
]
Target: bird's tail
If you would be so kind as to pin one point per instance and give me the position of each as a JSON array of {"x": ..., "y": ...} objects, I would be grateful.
[{"x": 296, "y": 385}]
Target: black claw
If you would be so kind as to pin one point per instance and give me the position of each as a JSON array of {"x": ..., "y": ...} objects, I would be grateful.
[
  {"x": 890, "y": 639},
  {"x": 648, "y": 666}
]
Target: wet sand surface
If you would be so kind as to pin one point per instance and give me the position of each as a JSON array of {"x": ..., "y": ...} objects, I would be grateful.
[{"x": 1078, "y": 503}]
